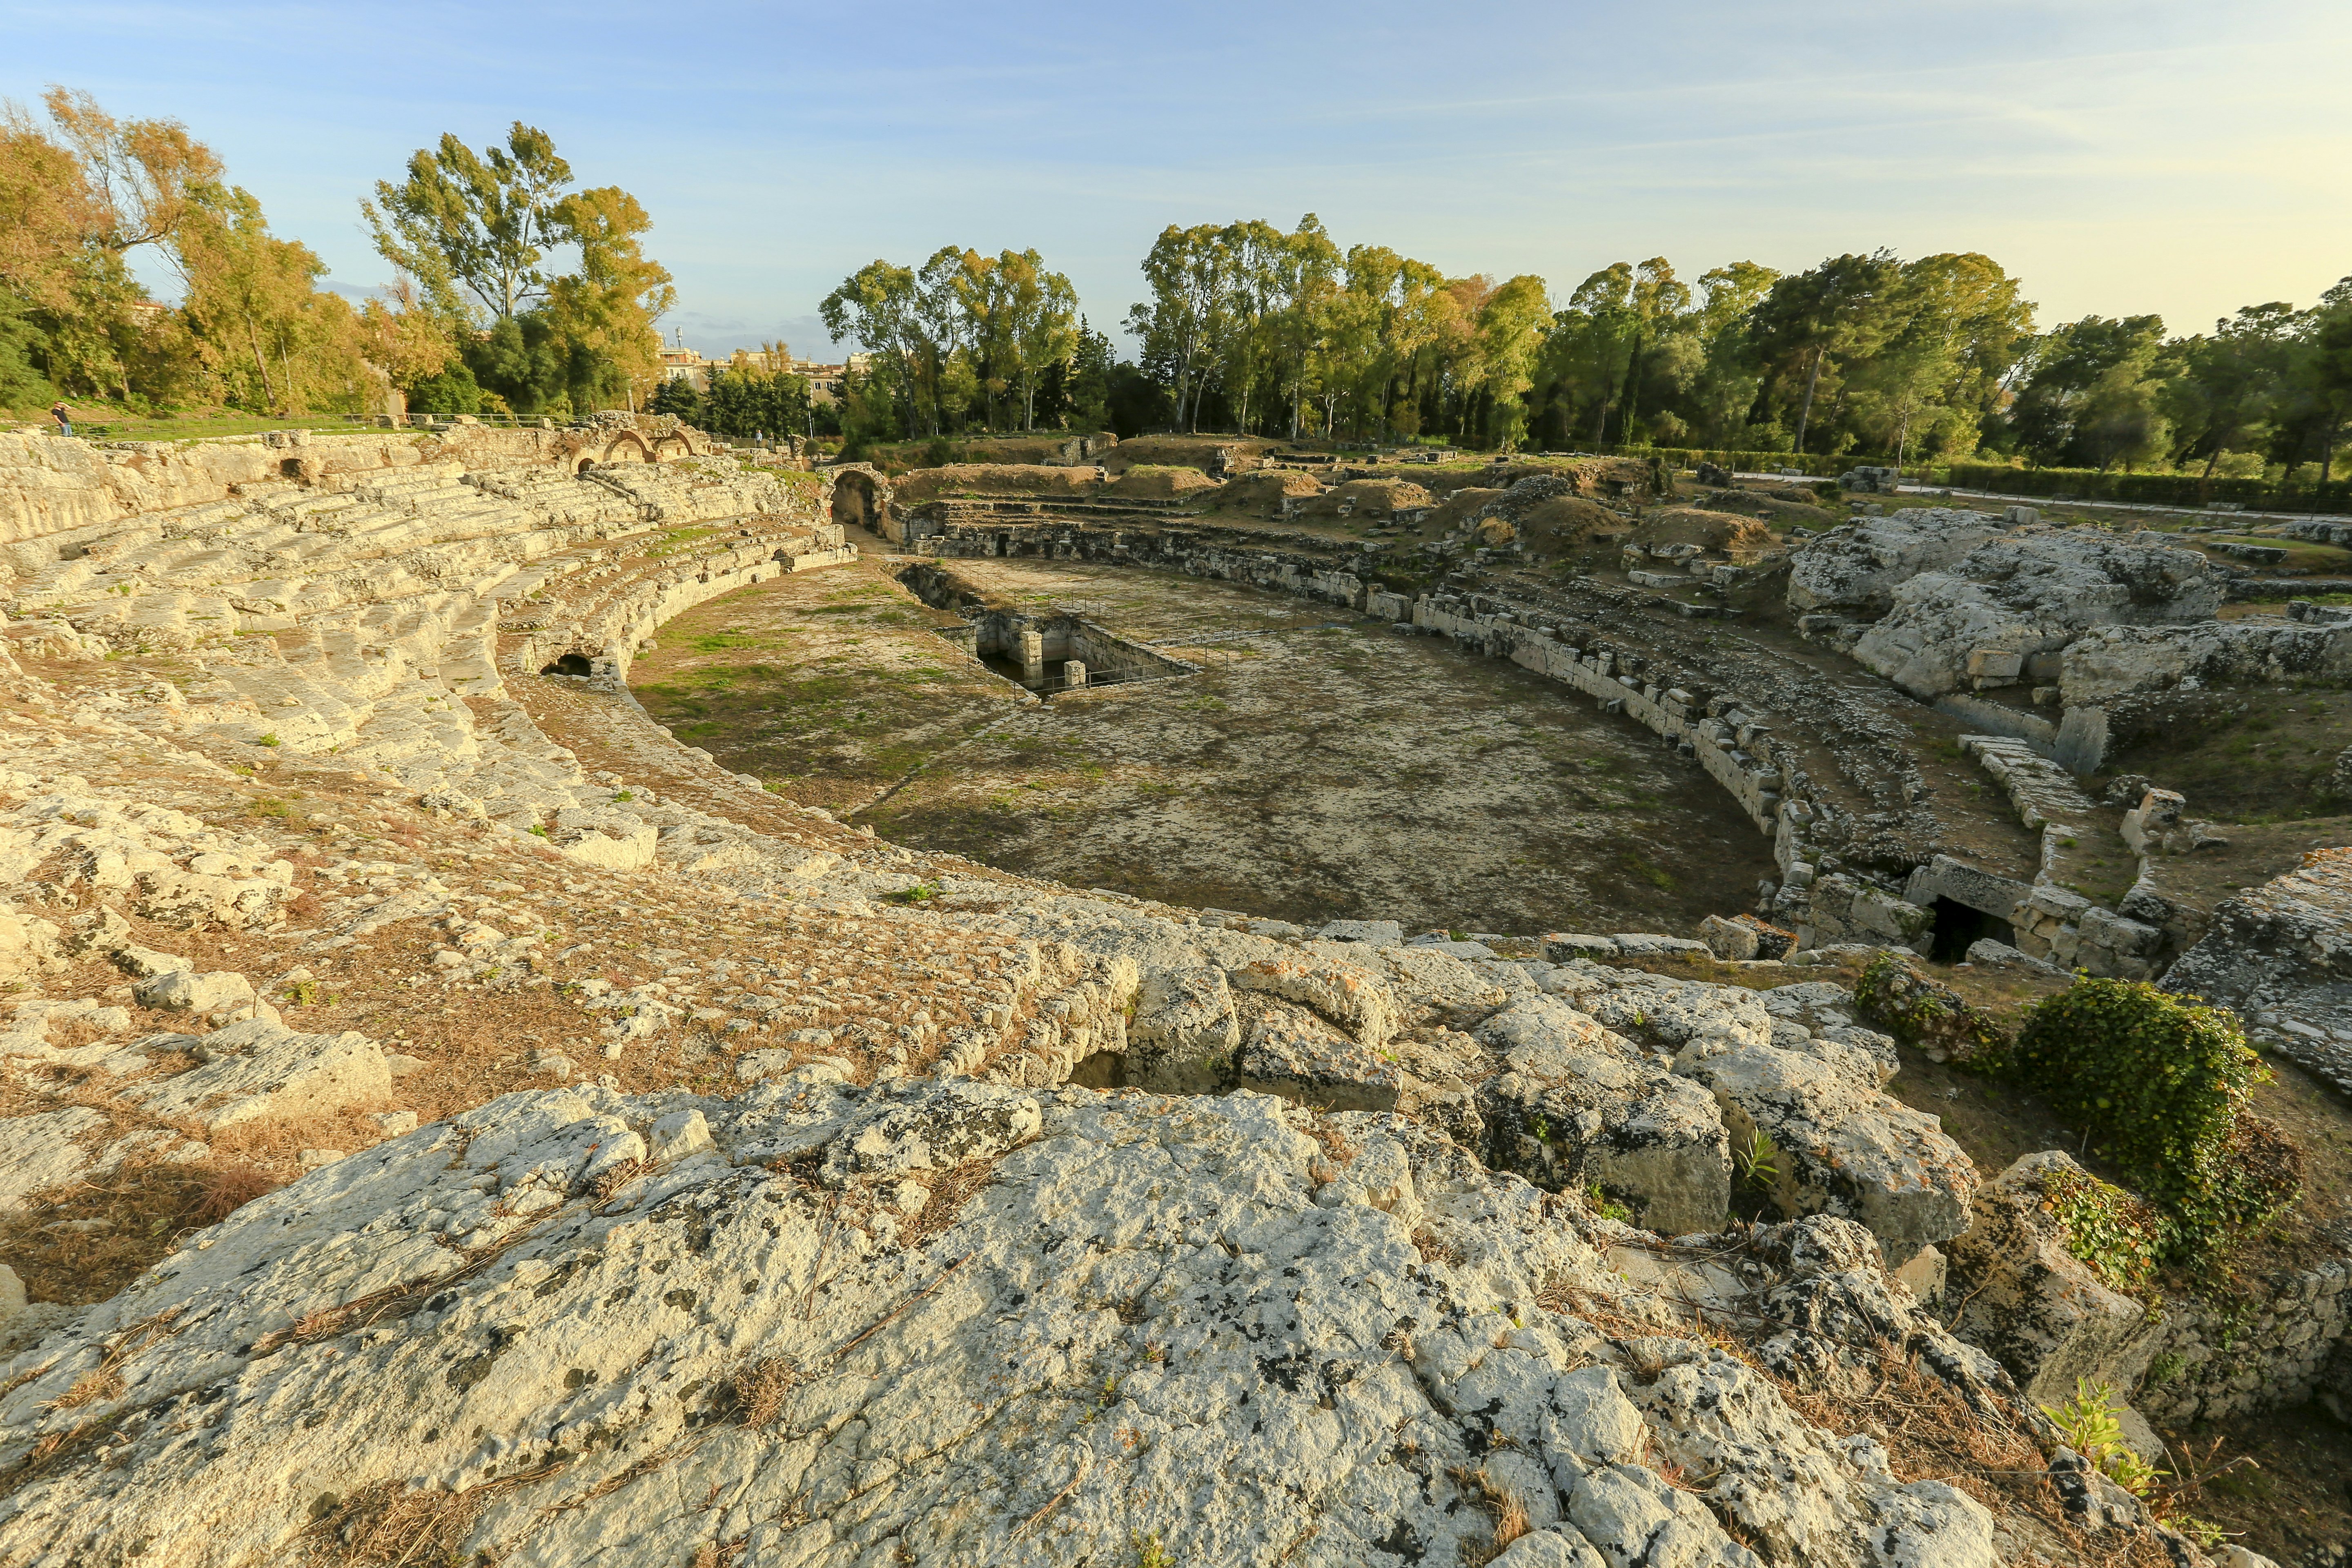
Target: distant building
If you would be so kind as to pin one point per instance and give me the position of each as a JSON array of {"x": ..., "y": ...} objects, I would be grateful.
[{"x": 680, "y": 363}]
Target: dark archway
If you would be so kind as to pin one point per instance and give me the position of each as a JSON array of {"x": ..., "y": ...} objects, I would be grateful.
[
  {"x": 571, "y": 664},
  {"x": 854, "y": 503},
  {"x": 1957, "y": 926}
]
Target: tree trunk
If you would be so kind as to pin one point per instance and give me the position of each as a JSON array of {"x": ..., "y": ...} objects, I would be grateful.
[
  {"x": 260, "y": 362},
  {"x": 1632, "y": 390},
  {"x": 1806, "y": 412}
]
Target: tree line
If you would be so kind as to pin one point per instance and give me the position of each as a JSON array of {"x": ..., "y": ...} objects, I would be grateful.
[
  {"x": 518, "y": 292},
  {"x": 1251, "y": 329},
  {"x": 479, "y": 319}
]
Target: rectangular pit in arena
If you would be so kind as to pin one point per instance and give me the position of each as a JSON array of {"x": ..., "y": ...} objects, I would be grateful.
[{"x": 1054, "y": 653}]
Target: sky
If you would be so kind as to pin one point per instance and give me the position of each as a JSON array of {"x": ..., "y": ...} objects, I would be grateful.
[{"x": 2168, "y": 156}]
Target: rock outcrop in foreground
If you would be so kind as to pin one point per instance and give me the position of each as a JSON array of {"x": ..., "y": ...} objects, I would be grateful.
[{"x": 967, "y": 1324}]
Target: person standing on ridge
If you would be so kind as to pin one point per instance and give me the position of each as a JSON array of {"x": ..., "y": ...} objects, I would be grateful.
[{"x": 63, "y": 417}]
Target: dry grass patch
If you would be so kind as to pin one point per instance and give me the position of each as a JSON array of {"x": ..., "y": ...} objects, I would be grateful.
[
  {"x": 85, "y": 1241},
  {"x": 761, "y": 1389}
]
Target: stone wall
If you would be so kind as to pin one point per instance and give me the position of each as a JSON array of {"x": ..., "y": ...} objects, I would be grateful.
[
  {"x": 610, "y": 638},
  {"x": 1732, "y": 742},
  {"x": 2280, "y": 1339},
  {"x": 1035, "y": 641},
  {"x": 2018, "y": 1291}
]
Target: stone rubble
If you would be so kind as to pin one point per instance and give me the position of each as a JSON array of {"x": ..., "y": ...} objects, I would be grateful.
[{"x": 2280, "y": 955}]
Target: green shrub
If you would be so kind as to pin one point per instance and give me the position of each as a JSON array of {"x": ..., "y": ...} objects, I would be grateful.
[
  {"x": 2117, "y": 1233},
  {"x": 1933, "y": 1017},
  {"x": 2160, "y": 1083},
  {"x": 2091, "y": 1427},
  {"x": 2148, "y": 490}
]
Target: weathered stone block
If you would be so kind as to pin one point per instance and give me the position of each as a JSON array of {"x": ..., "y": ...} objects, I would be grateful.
[
  {"x": 1287, "y": 1050},
  {"x": 2035, "y": 1308},
  {"x": 1577, "y": 1104},
  {"x": 1845, "y": 1149},
  {"x": 185, "y": 991}
]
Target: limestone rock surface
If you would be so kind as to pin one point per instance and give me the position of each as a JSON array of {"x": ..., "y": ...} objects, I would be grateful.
[
  {"x": 2030, "y": 593},
  {"x": 1150, "y": 1319},
  {"x": 2032, "y": 1303},
  {"x": 1577, "y": 1105}
]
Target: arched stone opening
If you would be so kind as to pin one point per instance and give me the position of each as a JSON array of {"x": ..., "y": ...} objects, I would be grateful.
[
  {"x": 586, "y": 463},
  {"x": 855, "y": 502},
  {"x": 571, "y": 664},
  {"x": 1958, "y": 927}
]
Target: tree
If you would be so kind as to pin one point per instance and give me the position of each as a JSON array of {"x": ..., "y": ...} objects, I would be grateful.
[
  {"x": 2088, "y": 395},
  {"x": 1087, "y": 387},
  {"x": 877, "y": 305},
  {"x": 1182, "y": 326},
  {"x": 677, "y": 395},
  {"x": 606, "y": 312},
  {"x": 2323, "y": 372},
  {"x": 1657, "y": 304},
  {"x": 1962, "y": 325},
  {"x": 404, "y": 340},
  {"x": 71, "y": 205},
  {"x": 274, "y": 340},
  {"x": 2225, "y": 391},
  {"x": 524, "y": 366},
  {"x": 1587, "y": 349},
  {"x": 1510, "y": 332},
  {"x": 480, "y": 223},
  {"x": 1041, "y": 323},
  {"x": 1722, "y": 388},
  {"x": 1838, "y": 309}
]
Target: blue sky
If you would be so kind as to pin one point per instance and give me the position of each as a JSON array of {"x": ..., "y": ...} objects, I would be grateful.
[{"x": 2171, "y": 155}]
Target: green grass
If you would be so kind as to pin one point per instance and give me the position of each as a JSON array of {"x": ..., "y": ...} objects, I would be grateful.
[
  {"x": 676, "y": 539},
  {"x": 197, "y": 427},
  {"x": 720, "y": 642}
]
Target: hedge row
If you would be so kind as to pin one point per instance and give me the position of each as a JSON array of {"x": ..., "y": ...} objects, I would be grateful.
[
  {"x": 2150, "y": 489},
  {"x": 1812, "y": 465}
]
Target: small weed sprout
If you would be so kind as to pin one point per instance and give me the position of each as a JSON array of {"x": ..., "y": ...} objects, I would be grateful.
[
  {"x": 1758, "y": 1161},
  {"x": 269, "y": 739},
  {"x": 1606, "y": 1207},
  {"x": 2091, "y": 1427}
]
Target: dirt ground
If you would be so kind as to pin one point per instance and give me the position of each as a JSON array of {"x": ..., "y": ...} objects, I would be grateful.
[
  {"x": 829, "y": 684},
  {"x": 2255, "y": 754},
  {"x": 1321, "y": 765},
  {"x": 2284, "y": 1484}
]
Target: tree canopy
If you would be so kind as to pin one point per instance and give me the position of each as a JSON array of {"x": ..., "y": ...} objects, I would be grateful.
[{"x": 518, "y": 291}]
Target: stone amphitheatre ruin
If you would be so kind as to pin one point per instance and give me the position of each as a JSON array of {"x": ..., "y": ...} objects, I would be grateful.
[{"x": 452, "y": 1116}]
